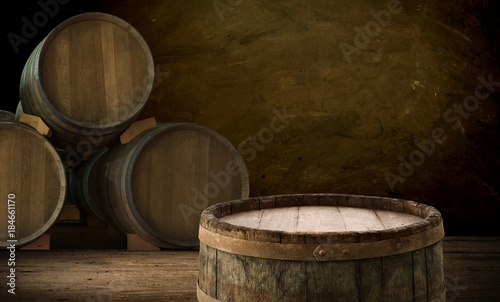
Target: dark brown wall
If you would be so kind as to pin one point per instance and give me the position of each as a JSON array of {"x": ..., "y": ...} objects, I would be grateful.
[{"x": 239, "y": 66}]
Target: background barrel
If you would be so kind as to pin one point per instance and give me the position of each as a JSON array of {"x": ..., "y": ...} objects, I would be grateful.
[
  {"x": 158, "y": 184},
  {"x": 32, "y": 173},
  {"x": 19, "y": 111},
  {"x": 83, "y": 186},
  {"x": 6, "y": 116},
  {"x": 88, "y": 80},
  {"x": 321, "y": 247}
]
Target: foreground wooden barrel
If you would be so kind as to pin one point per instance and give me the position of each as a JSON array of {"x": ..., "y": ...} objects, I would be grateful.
[
  {"x": 6, "y": 116},
  {"x": 32, "y": 176},
  {"x": 158, "y": 184},
  {"x": 88, "y": 80},
  {"x": 321, "y": 247}
]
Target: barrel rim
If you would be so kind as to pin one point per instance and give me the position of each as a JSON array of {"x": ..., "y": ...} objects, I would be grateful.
[
  {"x": 58, "y": 166},
  {"x": 133, "y": 32},
  {"x": 319, "y": 246},
  {"x": 140, "y": 143},
  {"x": 7, "y": 116},
  {"x": 210, "y": 217}
]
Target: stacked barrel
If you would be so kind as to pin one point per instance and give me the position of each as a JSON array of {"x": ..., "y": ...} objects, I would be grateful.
[{"x": 89, "y": 80}]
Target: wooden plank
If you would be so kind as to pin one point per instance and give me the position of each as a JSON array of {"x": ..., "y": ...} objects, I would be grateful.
[
  {"x": 333, "y": 279},
  {"x": 397, "y": 278},
  {"x": 207, "y": 276},
  {"x": 472, "y": 276},
  {"x": 41, "y": 244},
  {"x": 370, "y": 280},
  {"x": 359, "y": 220},
  {"x": 137, "y": 128},
  {"x": 203, "y": 275},
  {"x": 280, "y": 219},
  {"x": 290, "y": 219},
  {"x": 36, "y": 123},
  {"x": 459, "y": 244},
  {"x": 320, "y": 219},
  {"x": 211, "y": 281},
  {"x": 435, "y": 275},
  {"x": 419, "y": 276},
  {"x": 104, "y": 275},
  {"x": 256, "y": 279},
  {"x": 250, "y": 219},
  {"x": 394, "y": 220},
  {"x": 69, "y": 212}
]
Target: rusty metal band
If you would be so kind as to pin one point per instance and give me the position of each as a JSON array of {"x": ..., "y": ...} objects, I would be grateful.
[
  {"x": 202, "y": 296},
  {"x": 322, "y": 252}
]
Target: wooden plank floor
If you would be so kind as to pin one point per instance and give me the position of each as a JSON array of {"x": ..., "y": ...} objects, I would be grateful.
[{"x": 472, "y": 273}]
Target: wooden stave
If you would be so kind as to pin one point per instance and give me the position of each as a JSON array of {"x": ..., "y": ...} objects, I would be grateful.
[
  {"x": 230, "y": 277},
  {"x": 80, "y": 188},
  {"x": 68, "y": 133},
  {"x": 58, "y": 165},
  {"x": 209, "y": 284},
  {"x": 122, "y": 215}
]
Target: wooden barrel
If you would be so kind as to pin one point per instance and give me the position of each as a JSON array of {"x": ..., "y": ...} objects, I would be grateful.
[
  {"x": 157, "y": 185},
  {"x": 19, "y": 111},
  {"x": 321, "y": 247},
  {"x": 88, "y": 80},
  {"x": 83, "y": 186},
  {"x": 33, "y": 178},
  {"x": 6, "y": 116}
]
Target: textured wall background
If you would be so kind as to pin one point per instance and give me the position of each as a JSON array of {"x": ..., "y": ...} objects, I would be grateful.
[{"x": 330, "y": 96}]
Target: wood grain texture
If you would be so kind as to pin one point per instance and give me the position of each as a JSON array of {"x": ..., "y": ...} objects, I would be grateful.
[
  {"x": 471, "y": 266},
  {"x": 88, "y": 79},
  {"x": 36, "y": 123},
  {"x": 31, "y": 169},
  {"x": 7, "y": 116},
  {"x": 321, "y": 219},
  {"x": 136, "y": 128},
  {"x": 244, "y": 278},
  {"x": 158, "y": 184},
  {"x": 375, "y": 230}
]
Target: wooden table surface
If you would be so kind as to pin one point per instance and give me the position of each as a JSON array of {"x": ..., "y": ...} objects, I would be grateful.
[{"x": 472, "y": 273}]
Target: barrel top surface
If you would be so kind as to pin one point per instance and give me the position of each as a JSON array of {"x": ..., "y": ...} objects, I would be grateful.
[
  {"x": 32, "y": 171},
  {"x": 309, "y": 217},
  {"x": 320, "y": 227},
  {"x": 180, "y": 169},
  {"x": 321, "y": 219},
  {"x": 95, "y": 68}
]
